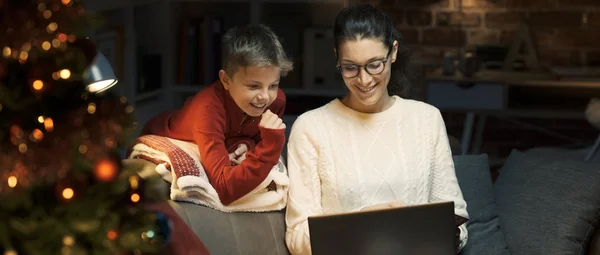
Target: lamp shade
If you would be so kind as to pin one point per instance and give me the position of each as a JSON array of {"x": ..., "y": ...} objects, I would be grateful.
[{"x": 99, "y": 76}]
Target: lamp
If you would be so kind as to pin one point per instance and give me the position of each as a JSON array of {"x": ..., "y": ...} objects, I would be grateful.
[{"x": 99, "y": 75}]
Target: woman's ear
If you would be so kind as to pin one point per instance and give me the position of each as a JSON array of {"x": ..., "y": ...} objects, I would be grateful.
[
  {"x": 394, "y": 51},
  {"x": 225, "y": 80}
]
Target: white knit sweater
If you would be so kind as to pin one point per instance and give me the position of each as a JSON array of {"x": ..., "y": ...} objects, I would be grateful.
[{"x": 340, "y": 160}]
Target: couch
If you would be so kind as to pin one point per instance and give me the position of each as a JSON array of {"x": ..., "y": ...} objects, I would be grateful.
[{"x": 544, "y": 201}]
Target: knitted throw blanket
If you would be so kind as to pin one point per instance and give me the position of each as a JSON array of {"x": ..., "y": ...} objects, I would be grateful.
[{"x": 178, "y": 162}]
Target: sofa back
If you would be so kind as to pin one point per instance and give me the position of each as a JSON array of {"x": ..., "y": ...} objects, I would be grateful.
[{"x": 253, "y": 233}]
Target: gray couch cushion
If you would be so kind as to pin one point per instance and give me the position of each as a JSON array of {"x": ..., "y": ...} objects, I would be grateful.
[
  {"x": 235, "y": 233},
  {"x": 485, "y": 235},
  {"x": 548, "y": 204}
]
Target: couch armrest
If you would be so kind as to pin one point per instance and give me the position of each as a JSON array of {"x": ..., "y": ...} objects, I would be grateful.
[{"x": 594, "y": 246}]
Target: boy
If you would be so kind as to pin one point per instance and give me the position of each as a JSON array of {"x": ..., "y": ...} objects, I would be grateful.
[{"x": 239, "y": 116}]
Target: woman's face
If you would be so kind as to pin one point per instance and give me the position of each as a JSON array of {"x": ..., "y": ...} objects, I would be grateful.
[{"x": 365, "y": 67}]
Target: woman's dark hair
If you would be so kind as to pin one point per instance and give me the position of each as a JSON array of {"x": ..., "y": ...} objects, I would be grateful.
[{"x": 366, "y": 21}]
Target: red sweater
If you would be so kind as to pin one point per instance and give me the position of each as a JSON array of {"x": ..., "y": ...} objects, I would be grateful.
[{"x": 217, "y": 125}]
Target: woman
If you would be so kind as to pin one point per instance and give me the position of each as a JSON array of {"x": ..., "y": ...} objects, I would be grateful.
[{"x": 370, "y": 149}]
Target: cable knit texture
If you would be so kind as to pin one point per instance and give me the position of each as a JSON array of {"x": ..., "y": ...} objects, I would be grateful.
[{"x": 341, "y": 160}]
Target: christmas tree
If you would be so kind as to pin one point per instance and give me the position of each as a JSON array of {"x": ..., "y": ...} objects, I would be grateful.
[{"x": 63, "y": 188}]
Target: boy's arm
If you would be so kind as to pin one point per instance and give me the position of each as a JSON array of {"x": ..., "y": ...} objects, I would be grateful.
[{"x": 233, "y": 182}]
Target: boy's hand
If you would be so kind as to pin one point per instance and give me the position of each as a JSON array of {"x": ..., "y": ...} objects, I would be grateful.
[
  {"x": 271, "y": 121},
  {"x": 239, "y": 154}
]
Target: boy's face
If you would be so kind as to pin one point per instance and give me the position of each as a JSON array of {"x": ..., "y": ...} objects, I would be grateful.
[{"x": 252, "y": 88}]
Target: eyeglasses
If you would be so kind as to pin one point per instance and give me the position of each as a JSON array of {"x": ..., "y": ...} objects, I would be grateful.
[{"x": 373, "y": 68}]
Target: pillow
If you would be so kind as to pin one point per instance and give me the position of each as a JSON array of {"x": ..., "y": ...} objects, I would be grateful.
[
  {"x": 547, "y": 204},
  {"x": 485, "y": 235}
]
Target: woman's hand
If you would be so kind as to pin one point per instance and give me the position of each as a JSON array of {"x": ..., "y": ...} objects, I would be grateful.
[{"x": 387, "y": 205}]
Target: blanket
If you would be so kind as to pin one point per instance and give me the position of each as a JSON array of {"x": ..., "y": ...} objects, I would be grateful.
[{"x": 178, "y": 162}]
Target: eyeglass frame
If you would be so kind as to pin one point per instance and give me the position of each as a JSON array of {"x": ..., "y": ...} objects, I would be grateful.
[{"x": 383, "y": 62}]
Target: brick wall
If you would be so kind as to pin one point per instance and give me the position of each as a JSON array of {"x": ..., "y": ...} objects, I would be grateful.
[{"x": 566, "y": 32}]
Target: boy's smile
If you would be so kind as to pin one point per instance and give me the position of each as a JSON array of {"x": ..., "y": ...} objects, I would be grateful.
[{"x": 252, "y": 88}]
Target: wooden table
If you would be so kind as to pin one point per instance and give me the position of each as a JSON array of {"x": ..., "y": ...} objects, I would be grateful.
[{"x": 487, "y": 93}]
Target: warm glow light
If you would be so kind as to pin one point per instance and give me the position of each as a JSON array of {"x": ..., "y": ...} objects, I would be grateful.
[
  {"x": 38, "y": 85},
  {"x": 23, "y": 56},
  {"x": 41, "y": 119},
  {"x": 12, "y": 181},
  {"x": 41, "y": 7},
  {"x": 72, "y": 38},
  {"x": 46, "y": 45},
  {"x": 135, "y": 197},
  {"x": 62, "y": 37},
  {"x": 68, "y": 193},
  {"x": 83, "y": 149},
  {"x": 22, "y": 148},
  {"x": 91, "y": 108},
  {"x": 52, "y": 27},
  {"x": 65, "y": 74},
  {"x": 55, "y": 76},
  {"x": 129, "y": 109},
  {"x": 49, "y": 124},
  {"x": 6, "y": 51},
  {"x": 55, "y": 43},
  {"x": 112, "y": 235},
  {"x": 47, "y": 14},
  {"x": 105, "y": 170},
  {"x": 26, "y": 47},
  {"x": 37, "y": 134},
  {"x": 68, "y": 240},
  {"x": 66, "y": 2},
  {"x": 133, "y": 181}
]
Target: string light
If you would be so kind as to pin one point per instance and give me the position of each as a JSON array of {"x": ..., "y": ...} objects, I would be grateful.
[
  {"x": 49, "y": 124},
  {"x": 68, "y": 193},
  {"x": 12, "y": 181},
  {"x": 51, "y": 27},
  {"x": 41, "y": 119},
  {"x": 22, "y": 148},
  {"x": 6, "y": 52},
  {"x": 46, "y": 45},
  {"x": 83, "y": 149},
  {"x": 41, "y": 7},
  {"x": 68, "y": 240},
  {"x": 10, "y": 252},
  {"x": 91, "y": 108},
  {"x": 37, "y": 135},
  {"x": 47, "y": 14},
  {"x": 105, "y": 170},
  {"x": 112, "y": 235},
  {"x": 38, "y": 85},
  {"x": 26, "y": 46},
  {"x": 62, "y": 37},
  {"x": 23, "y": 56},
  {"x": 134, "y": 182},
  {"x": 129, "y": 109},
  {"x": 55, "y": 43},
  {"x": 135, "y": 197},
  {"x": 65, "y": 74},
  {"x": 66, "y": 2}
]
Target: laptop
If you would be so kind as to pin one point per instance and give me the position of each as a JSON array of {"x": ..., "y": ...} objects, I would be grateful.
[{"x": 419, "y": 229}]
